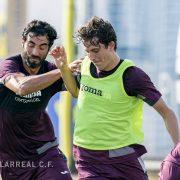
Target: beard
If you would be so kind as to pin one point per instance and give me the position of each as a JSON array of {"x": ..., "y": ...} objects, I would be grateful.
[{"x": 32, "y": 61}]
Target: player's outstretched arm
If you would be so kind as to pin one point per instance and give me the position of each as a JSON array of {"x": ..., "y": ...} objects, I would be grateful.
[
  {"x": 60, "y": 58},
  {"x": 169, "y": 118},
  {"x": 23, "y": 85}
]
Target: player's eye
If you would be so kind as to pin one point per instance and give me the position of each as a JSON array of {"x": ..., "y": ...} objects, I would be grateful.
[
  {"x": 95, "y": 50},
  {"x": 30, "y": 44},
  {"x": 43, "y": 47}
]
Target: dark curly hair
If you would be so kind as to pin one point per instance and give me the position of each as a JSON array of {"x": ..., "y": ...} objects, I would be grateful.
[
  {"x": 96, "y": 30},
  {"x": 40, "y": 28}
]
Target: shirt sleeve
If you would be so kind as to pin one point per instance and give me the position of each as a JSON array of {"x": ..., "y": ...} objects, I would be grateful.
[
  {"x": 138, "y": 83},
  {"x": 7, "y": 67}
]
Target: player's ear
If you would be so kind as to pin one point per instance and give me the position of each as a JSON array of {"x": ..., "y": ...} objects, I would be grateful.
[
  {"x": 111, "y": 45},
  {"x": 22, "y": 42}
]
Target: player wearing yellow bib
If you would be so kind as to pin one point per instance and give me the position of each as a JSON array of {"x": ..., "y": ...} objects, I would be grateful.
[
  {"x": 113, "y": 118},
  {"x": 108, "y": 119}
]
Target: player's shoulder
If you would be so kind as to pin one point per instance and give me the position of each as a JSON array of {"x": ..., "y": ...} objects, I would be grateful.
[
  {"x": 135, "y": 71},
  {"x": 12, "y": 60}
]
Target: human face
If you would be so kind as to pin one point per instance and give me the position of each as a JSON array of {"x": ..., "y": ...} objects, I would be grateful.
[
  {"x": 99, "y": 55},
  {"x": 35, "y": 50}
]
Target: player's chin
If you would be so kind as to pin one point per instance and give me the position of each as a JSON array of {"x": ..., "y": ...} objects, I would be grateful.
[
  {"x": 36, "y": 61},
  {"x": 35, "y": 64}
]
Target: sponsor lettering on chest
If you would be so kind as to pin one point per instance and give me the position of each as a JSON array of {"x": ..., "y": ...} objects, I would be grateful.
[
  {"x": 91, "y": 90},
  {"x": 34, "y": 94},
  {"x": 29, "y": 98}
]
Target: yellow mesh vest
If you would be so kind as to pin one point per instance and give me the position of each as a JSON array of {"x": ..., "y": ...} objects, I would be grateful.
[{"x": 105, "y": 116}]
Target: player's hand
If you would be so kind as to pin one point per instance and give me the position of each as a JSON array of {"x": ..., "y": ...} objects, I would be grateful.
[
  {"x": 60, "y": 57},
  {"x": 75, "y": 66}
]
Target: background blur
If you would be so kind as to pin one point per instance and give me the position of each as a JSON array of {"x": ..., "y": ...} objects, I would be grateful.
[{"x": 148, "y": 33}]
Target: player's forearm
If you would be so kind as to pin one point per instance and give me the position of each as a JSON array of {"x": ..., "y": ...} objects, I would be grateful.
[
  {"x": 172, "y": 126},
  {"x": 60, "y": 59},
  {"x": 69, "y": 81},
  {"x": 170, "y": 119},
  {"x": 35, "y": 83}
]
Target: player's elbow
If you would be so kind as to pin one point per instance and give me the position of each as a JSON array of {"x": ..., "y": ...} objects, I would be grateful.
[
  {"x": 76, "y": 93},
  {"x": 22, "y": 90}
]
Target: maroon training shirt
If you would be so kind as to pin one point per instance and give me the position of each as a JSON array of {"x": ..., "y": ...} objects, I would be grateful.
[{"x": 24, "y": 122}]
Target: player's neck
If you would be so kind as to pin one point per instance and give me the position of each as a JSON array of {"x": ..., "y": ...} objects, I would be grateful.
[{"x": 113, "y": 62}]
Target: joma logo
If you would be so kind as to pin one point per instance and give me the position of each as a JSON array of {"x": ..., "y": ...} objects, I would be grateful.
[
  {"x": 34, "y": 94},
  {"x": 91, "y": 90}
]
